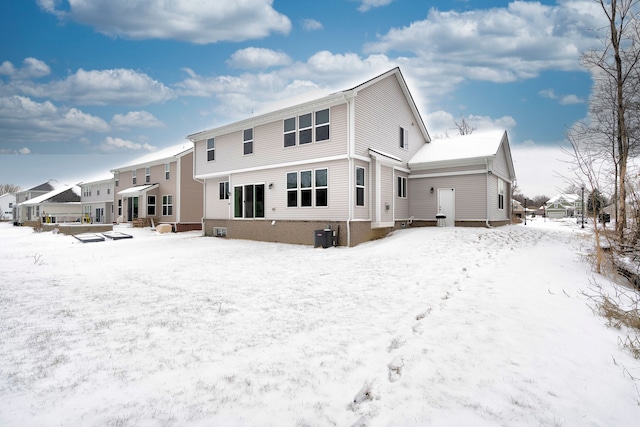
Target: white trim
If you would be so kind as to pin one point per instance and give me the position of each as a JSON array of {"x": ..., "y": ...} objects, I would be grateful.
[
  {"x": 378, "y": 224},
  {"x": 440, "y": 174},
  {"x": 137, "y": 190},
  {"x": 274, "y": 166}
]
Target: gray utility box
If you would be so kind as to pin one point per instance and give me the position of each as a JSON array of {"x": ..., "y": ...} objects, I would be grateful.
[{"x": 323, "y": 238}]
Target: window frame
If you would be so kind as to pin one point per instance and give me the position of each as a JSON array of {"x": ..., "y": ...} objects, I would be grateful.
[
  {"x": 211, "y": 149},
  {"x": 151, "y": 205},
  {"x": 501, "y": 191},
  {"x": 134, "y": 176},
  {"x": 402, "y": 187},
  {"x": 287, "y": 133},
  {"x": 326, "y": 124},
  {"x": 223, "y": 188},
  {"x": 306, "y": 195},
  {"x": 361, "y": 188},
  {"x": 116, "y": 178},
  {"x": 305, "y": 129},
  {"x": 249, "y": 209},
  {"x": 147, "y": 175},
  {"x": 404, "y": 138},
  {"x": 247, "y": 143},
  {"x": 167, "y": 171},
  {"x": 167, "y": 204}
]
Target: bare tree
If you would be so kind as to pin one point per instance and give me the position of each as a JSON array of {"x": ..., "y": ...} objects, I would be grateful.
[
  {"x": 9, "y": 188},
  {"x": 464, "y": 128},
  {"x": 617, "y": 63}
]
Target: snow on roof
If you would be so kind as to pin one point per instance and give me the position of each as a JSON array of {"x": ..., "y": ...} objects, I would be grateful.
[
  {"x": 50, "y": 185},
  {"x": 566, "y": 197},
  {"x": 157, "y": 156},
  {"x": 105, "y": 176},
  {"x": 475, "y": 145},
  {"x": 50, "y": 194}
]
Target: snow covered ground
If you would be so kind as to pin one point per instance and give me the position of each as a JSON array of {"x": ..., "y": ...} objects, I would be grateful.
[{"x": 430, "y": 326}]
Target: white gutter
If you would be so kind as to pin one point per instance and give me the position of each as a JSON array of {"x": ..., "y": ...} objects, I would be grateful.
[
  {"x": 350, "y": 160},
  {"x": 486, "y": 198}
]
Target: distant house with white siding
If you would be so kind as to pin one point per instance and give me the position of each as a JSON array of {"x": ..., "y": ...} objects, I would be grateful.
[
  {"x": 563, "y": 206},
  {"x": 344, "y": 162},
  {"x": 7, "y": 201},
  {"x": 25, "y": 213},
  {"x": 97, "y": 199},
  {"x": 159, "y": 188}
]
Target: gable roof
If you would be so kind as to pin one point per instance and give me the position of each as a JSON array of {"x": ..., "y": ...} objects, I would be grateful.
[
  {"x": 302, "y": 102},
  {"x": 50, "y": 185},
  {"x": 158, "y": 157},
  {"x": 462, "y": 150},
  {"x": 570, "y": 198},
  {"x": 64, "y": 194}
]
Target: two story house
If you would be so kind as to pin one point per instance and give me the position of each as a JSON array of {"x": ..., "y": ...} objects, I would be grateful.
[
  {"x": 340, "y": 162},
  {"x": 97, "y": 199},
  {"x": 25, "y": 214},
  {"x": 7, "y": 201},
  {"x": 159, "y": 188},
  {"x": 563, "y": 206}
]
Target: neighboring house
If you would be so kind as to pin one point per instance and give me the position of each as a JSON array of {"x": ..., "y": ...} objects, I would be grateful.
[
  {"x": 97, "y": 199},
  {"x": 7, "y": 201},
  {"x": 22, "y": 214},
  {"x": 159, "y": 188},
  {"x": 340, "y": 162},
  {"x": 57, "y": 206},
  {"x": 468, "y": 179},
  {"x": 517, "y": 208},
  {"x": 563, "y": 206}
]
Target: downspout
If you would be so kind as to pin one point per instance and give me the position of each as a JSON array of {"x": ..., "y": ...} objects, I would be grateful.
[
  {"x": 178, "y": 192},
  {"x": 204, "y": 187},
  {"x": 351, "y": 163},
  {"x": 486, "y": 161}
]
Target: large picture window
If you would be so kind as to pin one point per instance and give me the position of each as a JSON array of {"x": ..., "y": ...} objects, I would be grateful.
[
  {"x": 211, "y": 149},
  {"x": 311, "y": 127},
  {"x": 247, "y": 141},
  {"x": 248, "y": 201},
  {"x": 360, "y": 186},
  {"x": 308, "y": 188}
]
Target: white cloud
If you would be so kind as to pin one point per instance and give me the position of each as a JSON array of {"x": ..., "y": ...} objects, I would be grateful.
[
  {"x": 100, "y": 87},
  {"x": 185, "y": 20},
  {"x": 258, "y": 58},
  {"x": 571, "y": 99},
  {"x": 135, "y": 119},
  {"x": 366, "y": 5},
  {"x": 23, "y": 119},
  {"x": 441, "y": 123},
  {"x": 32, "y": 68},
  {"x": 311, "y": 25},
  {"x": 111, "y": 144},
  {"x": 540, "y": 169},
  {"x": 498, "y": 44}
]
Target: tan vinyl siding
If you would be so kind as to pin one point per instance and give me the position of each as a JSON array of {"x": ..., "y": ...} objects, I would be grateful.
[
  {"x": 470, "y": 196},
  {"x": 495, "y": 213},
  {"x": 268, "y": 146},
  {"x": 276, "y": 197},
  {"x": 500, "y": 166},
  {"x": 380, "y": 110},
  {"x": 387, "y": 193},
  {"x": 190, "y": 191}
]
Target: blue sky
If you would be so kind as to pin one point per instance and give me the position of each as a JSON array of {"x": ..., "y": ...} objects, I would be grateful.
[{"x": 87, "y": 85}]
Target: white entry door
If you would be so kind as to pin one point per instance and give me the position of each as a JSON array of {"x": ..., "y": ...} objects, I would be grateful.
[{"x": 447, "y": 205}]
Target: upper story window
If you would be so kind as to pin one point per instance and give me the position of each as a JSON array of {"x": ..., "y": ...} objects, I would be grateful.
[
  {"x": 109, "y": 189},
  {"x": 167, "y": 171},
  {"x": 322, "y": 125},
  {"x": 500, "y": 194},
  {"x": 211, "y": 149},
  {"x": 147, "y": 175},
  {"x": 290, "y": 132},
  {"x": 404, "y": 138},
  {"x": 360, "y": 187},
  {"x": 312, "y": 127},
  {"x": 116, "y": 178},
  {"x": 133, "y": 177},
  {"x": 247, "y": 141}
]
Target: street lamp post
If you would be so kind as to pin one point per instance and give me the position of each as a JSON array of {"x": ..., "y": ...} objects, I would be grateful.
[
  {"x": 525, "y": 211},
  {"x": 582, "y": 208}
]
